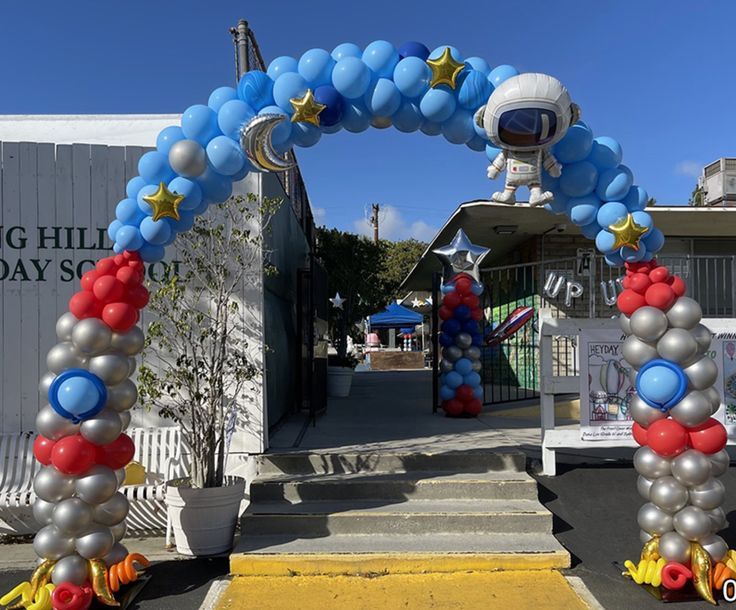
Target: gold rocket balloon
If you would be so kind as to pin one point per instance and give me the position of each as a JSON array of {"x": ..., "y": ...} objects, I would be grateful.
[
  {"x": 98, "y": 576},
  {"x": 39, "y": 579},
  {"x": 650, "y": 550},
  {"x": 701, "y": 566}
]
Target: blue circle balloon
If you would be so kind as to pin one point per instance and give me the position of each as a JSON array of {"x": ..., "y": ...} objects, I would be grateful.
[
  {"x": 305, "y": 134},
  {"x": 282, "y": 132},
  {"x": 287, "y": 86},
  {"x": 472, "y": 379},
  {"x": 630, "y": 255},
  {"x": 414, "y": 49},
  {"x": 558, "y": 205},
  {"x": 437, "y": 53},
  {"x": 356, "y": 117},
  {"x": 654, "y": 240},
  {"x": 155, "y": 232},
  {"x": 232, "y": 116},
  {"x": 454, "y": 380},
  {"x": 501, "y": 73},
  {"x": 152, "y": 253},
  {"x": 611, "y": 213},
  {"x": 117, "y": 248},
  {"x": 478, "y": 392},
  {"x": 480, "y": 64},
  {"x": 590, "y": 231},
  {"x": 458, "y": 129},
  {"x": 382, "y": 98},
  {"x": 661, "y": 384},
  {"x": 351, "y": 77},
  {"x": 447, "y": 288},
  {"x": 144, "y": 206},
  {"x": 221, "y": 95},
  {"x": 461, "y": 312},
  {"x": 476, "y": 143},
  {"x": 446, "y": 392},
  {"x": 430, "y": 128},
  {"x": 112, "y": 228},
  {"x": 256, "y": 89},
  {"x": 578, "y": 179},
  {"x": 605, "y": 242},
  {"x": 225, "y": 155},
  {"x": 282, "y": 65},
  {"x": 136, "y": 184},
  {"x": 77, "y": 394},
  {"x": 128, "y": 212},
  {"x": 316, "y": 67},
  {"x": 613, "y": 259},
  {"x": 576, "y": 145},
  {"x": 408, "y": 117},
  {"x": 191, "y": 191},
  {"x": 215, "y": 187},
  {"x": 614, "y": 184},
  {"x": 154, "y": 167},
  {"x": 636, "y": 199},
  {"x": 451, "y": 327},
  {"x": 437, "y": 105},
  {"x": 334, "y": 102},
  {"x": 583, "y": 210},
  {"x": 606, "y": 153},
  {"x": 381, "y": 57},
  {"x": 476, "y": 288},
  {"x": 199, "y": 123},
  {"x": 643, "y": 219},
  {"x": 470, "y": 326},
  {"x": 474, "y": 90},
  {"x": 412, "y": 77},
  {"x": 167, "y": 137},
  {"x": 492, "y": 152},
  {"x": 463, "y": 366},
  {"x": 129, "y": 238},
  {"x": 446, "y": 340},
  {"x": 346, "y": 49}
]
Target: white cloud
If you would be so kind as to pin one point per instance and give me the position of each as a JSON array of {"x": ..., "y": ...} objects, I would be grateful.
[
  {"x": 689, "y": 168},
  {"x": 392, "y": 225},
  {"x": 320, "y": 215}
]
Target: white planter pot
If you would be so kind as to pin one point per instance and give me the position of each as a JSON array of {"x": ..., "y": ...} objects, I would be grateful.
[
  {"x": 204, "y": 520},
  {"x": 339, "y": 380}
]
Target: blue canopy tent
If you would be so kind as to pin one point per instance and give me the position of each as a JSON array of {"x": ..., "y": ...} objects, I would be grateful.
[{"x": 395, "y": 316}]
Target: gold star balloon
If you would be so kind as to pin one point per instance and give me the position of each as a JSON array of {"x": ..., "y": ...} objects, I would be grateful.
[
  {"x": 165, "y": 204},
  {"x": 445, "y": 69},
  {"x": 627, "y": 233},
  {"x": 306, "y": 108}
]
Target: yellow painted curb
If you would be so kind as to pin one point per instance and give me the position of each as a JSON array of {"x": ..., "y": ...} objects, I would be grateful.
[
  {"x": 360, "y": 564},
  {"x": 518, "y": 590},
  {"x": 569, "y": 409}
]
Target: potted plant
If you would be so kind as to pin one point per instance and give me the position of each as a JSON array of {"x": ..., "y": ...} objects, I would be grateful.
[
  {"x": 340, "y": 370},
  {"x": 197, "y": 365}
]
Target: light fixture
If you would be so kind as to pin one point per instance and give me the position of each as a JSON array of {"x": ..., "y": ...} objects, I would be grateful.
[{"x": 505, "y": 229}]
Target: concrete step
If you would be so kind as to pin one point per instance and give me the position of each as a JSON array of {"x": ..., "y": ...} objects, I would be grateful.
[
  {"x": 314, "y": 519},
  {"x": 330, "y": 463},
  {"x": 394, "y": 486}
]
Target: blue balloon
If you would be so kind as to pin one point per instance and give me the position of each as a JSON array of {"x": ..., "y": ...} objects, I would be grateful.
[
  {"x": 606, "y": 153},
  {"x": 480, "y": 64},
  {"x": 143, "y": 205},
  {"x": 414, "y": 49},
  {"x": 583, "y": 210},
  {"x": 437, "y": 105},
  {"x": 611, "y": 213},
  {"x": 446, "y": 392},
  {"x": 282, "y": 132},
  {"x": 437, "y": 53},
  {"x": 351, "y": 77},
  {"x": 77, "y": 394},
  {"x": 112, "y": 228},
  {"x": 129, "y": 238},
  {"x": 447, "y": 288},
  {"x": 590, "y": 231},
  {"x": 478, "y": 392},
  {"x": 315, "y": 66},
  {"x": 451, "y": 327},
  {"x": 412, "y": 77},
  {"x": 472, "y": 379},
  {"x": 334, "y": 102},
  {"x": 221, "y": 95},
  {"x": 356, "y": 117},
  {"x": 152, "y": 253},
  {"x": 128, "y": 212},
  {"x": 477, "y": 288},
  {"x": 614, "y": 259},
  {"x": 636, "y": 199},
  {"x": 282, "y": 65},
  {"x": 476, "y": 143},
  {"x": 216, "y": 188},
  {"x": 155, "y": 231},
  {"x": 154, "y": 167},
  {"x": 458, "y": 129},
  {"x": 117, "y": 248},
  {"x": 614, "y": 184},
  {"x": 492, "y": 152},
  {"x": 501, "y": 73},
  {"x": 559, "y": 204},
  {"x": 643, "y": 219},
  {"x": 654, "y": 240},
  {"x": 578, "y": 179},
  {"x": 346, "y": 49},
  {"x": 381, "y": 57},
  {"x": 185, "y": 222},
  {"x": 461, "y": 312},
  {"x": 474, "y": 90},
  {"x": 576, "y": 145},
  {"x": 256, "y": 89},
  {"x": 382, "y": 98},
  {"x": 232, "y": 116},
  {"x": 191, "y": 191},
  {"x": 430, "y": 128},
  {"x": 605, "y": 242},
  {"x": 167, "y": 137},
  {"x": 661, "y": 384},
  {"x": 305, "y": 134},
  {"x": 454, "y": 380},
  {"x": 446, "y": 340},
  {"x": 134, "y": 185},
  {"x": 633, "y": 256},
  {"x": 470, "y": 326},
  {"x": 477, "y": 340},
  {"x": 463, "y": 366},
  {"x": 199, "y": 123},
  {"x": 225, "y": 155},
  {"x": 287, "y": 86},
  {"x": 408, "y": 117},
  {"x": 480, "y": 131}
]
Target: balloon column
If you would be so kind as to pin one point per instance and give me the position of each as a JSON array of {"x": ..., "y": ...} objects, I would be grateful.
[{"x": 461, "y": 387}]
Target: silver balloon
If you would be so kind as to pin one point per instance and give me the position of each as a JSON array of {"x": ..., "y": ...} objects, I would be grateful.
[
  {"x": 122, "y": 396},
  {"x": 692, "y": 523},
  {"x": 648, "y": 323},
  {"x": 642, "y": 413},
  {"x": 98, "y": 485},
  {"x": 42, "y": 511},
  {"x": 476, "y": 365},
  {"x": 132, "y": 366},
  {"x": 65, "y": 325},
  {"x": 714, "y": 397},
  {"x": 637, "y": 353},
  {"x": 50, "y": 543},
  {"x": 125, "y": 418},
  {"x": 91, "y": 336},
  {"x": 691, "y": 468},
  {"x": 95, "y": 543},
  {"x": 103, "y": 428},
  {"x": 53, "y": 486},
  {"x": 53, "y": 426},
  {"x": 625, "y": 323},
  {"x": 463, "y": 340},
  {"x": 452, "y": 353},
  {"x": 256, "y": 142},
  {"x": 708, "y": 495},
  {"x": 649, "y": 464},
  {"x": 715, "y": 546},
  {"x": 673, "y": 547},
  {"x": 71, "y": 568},
  {"x": 702, "y": 337},
  {"x": 669, "y": 495},
  {"x": 116, "y": 555},
  {"x": 677, "y": 345},
  {"x": 654, "y": 520},
  {"x": 64, "y": 356},
  {"x": 118, "y": 531},
  {"x": 702, "y": 373},
  {"x": 644, "y": 537},
  {"x": 717, "y": 518},
  {"x": 129, "y": 342},
  {"x": 472, "y": 353},
  {"x": 120, "y": 475},
  {"x": 45, "y": 384},
  {"x": 685, "y": 313},
  {"x": 719, "y": 462},
  {"x": 446, "y": 366},
  {"x": 72, "y": 516},
  {"x": 643, "y": 485},
  {"x": 113, "y": 511},
  {"x": 111, "y": 368},
  {"x": 692, "y": 410},
  {"x": 381, "y": 122},
  {"x": 187, "y": 158}
]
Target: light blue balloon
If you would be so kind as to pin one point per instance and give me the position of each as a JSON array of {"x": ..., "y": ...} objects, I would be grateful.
[
  {"x": 146, "y": 191},
  {"x": 346, "y": 49},
  {"x": 199, "y": 123},
  {"x": 476, "y": 288},
  {"x": 316, "y": 67},
  {"x": 305, "y": 134},
  {"x": 658, "y": 384},
  {"x": 480, "y": 64},
  {"x": 611, "y": 213},
  {"x": 437, "y": 53},
  {"x": 614, "y": 184},
  {"x": 225, "y": 156},
  {"x": 128, "y": 212},
  {"x": 232, "y": 116},
  {"x": 446, "y": 392},
  {"x": 583, "y": 210},
  {"x": 167, "y": 137},
  {"x": 636, "y": 199},
  {"x": 256, "y": 89},
  {"x": 408, "y": 117},
  {"x": 633, "y": 256},
  {"x": 154, "y": 167},
  {"x": 605, "y": 242},
  {"x": 478, "y": 392},
  {"x": 458, "y": 129},
  {"x": 492, "y": 152},
  {"x": 134, "y": 185},
  {"x": 590, "y": 231},
  {"x": 117, "y": 248},
  {"x": 614, "y": 259},
  {"x": 437, "y": 105},
  {"x": 463, "y": 366},
  {"x": 381, "y": 57},
  {"x": 185, "y": 222},
  {"x": 282, "y": 65},
  {"x": 447, "y": 288},
  {"x": 474, "y": 90},
  {"x": 356, "y": 117},
  {"x": 654, "y": 240},
  {"x": 412, "y": 77},
  {"x": 287, "y": 86},
  {"x": 472, "y": 379},
  {"x": 216, "y": 188},
  {"x": 329, "y": 129},
  {"x": 112, "y": 228},
  {"x": 245, "y": 170},
  {"x": 559, "y": 204},
  {"x": 221, "y": 95},
  {"x": 152, "y": 253},
  {"x": 643, "y": 219},
  {"x": 454, "y": 380},
  {"x": 501, "y": 73},
  {"x": 578, "y": 179},
  {"x": 576, "y": 145},
  {"x": 282, "y": 132},
  {"x": 430, "y": 128},
  {"x": 129, "y": 238},
  {"x": 382, "y": 98},
  {"x": 477, "y": 143},
  {"x": 77, "y": 395},
  {"x": 606, "y": 153},
  {"x": 351, "y": 77},
  {"x": 155, "y": 231},
  {"x": 191, "y": 191}
]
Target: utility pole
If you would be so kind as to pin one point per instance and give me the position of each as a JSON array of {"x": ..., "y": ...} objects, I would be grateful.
[
  {"x": 376, "y": 207},
  {"x": 240, "y": 39}
]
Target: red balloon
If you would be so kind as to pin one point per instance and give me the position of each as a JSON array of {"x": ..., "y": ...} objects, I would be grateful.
[
  {"x": 42, "y": 448},
  {"x": 471, "y": 301},
  {"x": 119, "y": 260},
  {"x": 120, "y": 316},
  {"x": 88, "y": 279},
  {"x": 463, "y": 286},
  {"x": 444, "y": 313},
  {"x": 626, "y": 282},
  {"x": 476, "y": 314},
  {"x": 73, "y": 455},
  {"x": 83, "y": 305},
  {"x": 452, "y": 407},
  {"x": 118, "y": 453},
  {"x": 660, "y": 274},
  {"x": 137, "y": 296},
  {"x": 464, "y": 394},
  {"x": 451, "y": 300},
  {"x": 106, "y": 266},
  {"x": 131, "y": 256},
  {"x": 639, "y": 433},
  {"x": 639, "y": 282},
  {"x": 129, "y": 276},
  {"x": 660, "y": 296},
  {"x": 108, "y": 289},
  {"x": 709, "y": 437},
  {"x": 474, "y": 407},
  {"x": 629, "y": 301},
  {"x": 678, "y": 286},
  {"x": 667, "y": 438}
]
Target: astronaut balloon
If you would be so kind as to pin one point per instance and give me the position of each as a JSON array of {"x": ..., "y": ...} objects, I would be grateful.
[{"x": 524, "y": 117}]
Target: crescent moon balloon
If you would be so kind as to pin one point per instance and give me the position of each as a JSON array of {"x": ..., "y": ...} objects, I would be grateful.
[{"x": 255, "y": 141}]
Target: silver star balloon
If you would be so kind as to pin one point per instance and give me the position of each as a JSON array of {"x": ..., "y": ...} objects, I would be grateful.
[
  {"x": 461, "y": 256},
  {"x": 416, "y": 303},
  {"x": 337, "y": 301}
]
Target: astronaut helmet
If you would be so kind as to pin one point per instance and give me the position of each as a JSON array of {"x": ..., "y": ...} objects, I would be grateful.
[{"x": 527, "y": 112}]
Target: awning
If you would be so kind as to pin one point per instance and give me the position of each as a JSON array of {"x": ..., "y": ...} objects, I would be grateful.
[{"x": 395, "y": 316}]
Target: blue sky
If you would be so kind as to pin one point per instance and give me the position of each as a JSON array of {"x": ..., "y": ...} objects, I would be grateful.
[{"x": 655, "y": 75}]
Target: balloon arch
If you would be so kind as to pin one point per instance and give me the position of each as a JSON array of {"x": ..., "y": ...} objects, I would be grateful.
[{"x": 81, "y": 442}]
